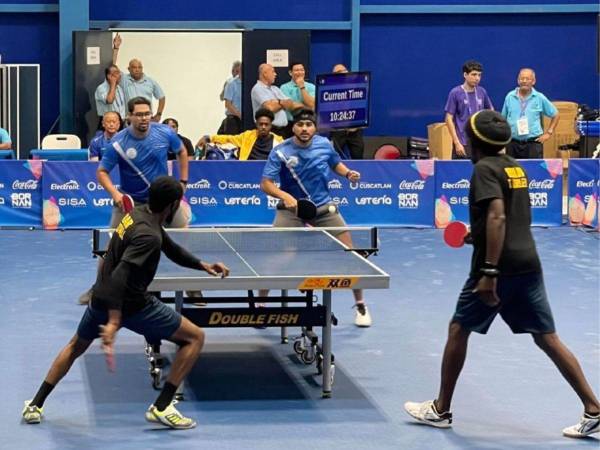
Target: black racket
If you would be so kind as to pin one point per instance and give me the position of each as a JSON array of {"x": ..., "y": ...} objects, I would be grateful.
[{"x": 305, "y": 209}]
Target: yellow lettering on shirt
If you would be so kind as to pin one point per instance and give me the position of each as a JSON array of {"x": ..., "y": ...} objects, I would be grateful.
[
  {"x": 125, "y": 223},
  {"x": 516, "y": 177}
]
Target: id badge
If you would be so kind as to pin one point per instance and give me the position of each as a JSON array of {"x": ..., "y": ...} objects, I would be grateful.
[{"x": 522, "y": 126}]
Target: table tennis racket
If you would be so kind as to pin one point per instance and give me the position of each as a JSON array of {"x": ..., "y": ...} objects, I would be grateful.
[
  {"x": 128, "y": 203},
  {"x": 305, "y": 209},
  {"x": 455, "y": 233},
  {"x": 110, "y": 362}
]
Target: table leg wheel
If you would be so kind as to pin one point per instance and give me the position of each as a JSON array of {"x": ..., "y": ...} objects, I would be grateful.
[{"x": 299, "y": 347}]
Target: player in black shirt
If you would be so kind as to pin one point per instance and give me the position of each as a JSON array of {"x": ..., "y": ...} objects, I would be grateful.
[
  {"x": 505, "y": 277},
  {"x": 120, "y": 299}
]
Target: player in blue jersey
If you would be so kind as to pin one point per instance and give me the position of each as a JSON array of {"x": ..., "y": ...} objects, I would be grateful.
[{"x": 312, "y": 158}]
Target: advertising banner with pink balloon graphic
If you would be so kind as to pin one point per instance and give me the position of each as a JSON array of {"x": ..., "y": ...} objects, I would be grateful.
[{"x": 584, "y": 192}]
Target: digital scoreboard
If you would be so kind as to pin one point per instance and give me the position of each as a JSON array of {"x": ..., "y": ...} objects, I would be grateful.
[{"x": 343, "y": 100}]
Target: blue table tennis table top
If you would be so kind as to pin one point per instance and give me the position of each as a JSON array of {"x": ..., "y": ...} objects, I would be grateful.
[{"x": 266, "y": 258}]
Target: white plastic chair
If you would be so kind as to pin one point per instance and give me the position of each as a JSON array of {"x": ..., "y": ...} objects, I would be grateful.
[{"x": 61, "y": 142}]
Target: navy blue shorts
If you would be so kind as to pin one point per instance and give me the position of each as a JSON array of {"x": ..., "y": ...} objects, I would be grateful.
[
  {"x": 523, "y": 306},
  {"x": 156, "y": 321}
]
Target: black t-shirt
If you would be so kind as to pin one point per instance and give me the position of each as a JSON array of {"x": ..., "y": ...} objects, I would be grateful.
[
  {"x": 502, "y": 177},
  {"x": 131, "y": 261},
  {"x": 261, "y": 148}
]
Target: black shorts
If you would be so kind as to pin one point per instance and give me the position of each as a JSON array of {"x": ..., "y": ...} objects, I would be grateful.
[{"x": 523, "y": 306}]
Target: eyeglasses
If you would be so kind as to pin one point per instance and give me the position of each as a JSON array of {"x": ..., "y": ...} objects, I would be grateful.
[{"x": 141, "y": 115}]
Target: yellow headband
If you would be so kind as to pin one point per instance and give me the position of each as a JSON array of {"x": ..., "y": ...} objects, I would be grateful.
[{"x": 481, "y": 136}]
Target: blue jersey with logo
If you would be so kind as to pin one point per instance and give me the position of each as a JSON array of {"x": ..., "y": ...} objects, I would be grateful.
[
  {"x": 142, "y": 160},
  {"x": 99, "y": 144},
  {"x": 312, "y": 166}
]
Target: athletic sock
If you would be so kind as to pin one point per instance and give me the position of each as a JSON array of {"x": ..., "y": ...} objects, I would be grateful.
[
  {"x": 592, "y": 416},
  {"x": 166, "y": 396},
  {"x": 42, "y": 393}
]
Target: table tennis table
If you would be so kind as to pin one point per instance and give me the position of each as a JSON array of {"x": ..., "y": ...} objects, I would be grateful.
[{"x": 305, "y": 259}]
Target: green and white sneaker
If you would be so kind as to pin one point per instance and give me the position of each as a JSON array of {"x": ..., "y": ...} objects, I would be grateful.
[
  {"x": 32, "y": 414},
  {"x": 170, "y": 417},
  {"x": 426, "y": 413},
  {"x": 586, "y": 426}
]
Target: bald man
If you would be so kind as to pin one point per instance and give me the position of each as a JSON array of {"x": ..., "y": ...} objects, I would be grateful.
[
  {"x": 523, "y": 109},
  {"x": 137, "y": 84},
  {"x": 349, "y": 143},
  {"x": 266, "y": 95}
]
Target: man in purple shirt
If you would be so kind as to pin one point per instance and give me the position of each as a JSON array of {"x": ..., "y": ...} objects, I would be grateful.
[{"x": 464, "y": 101}]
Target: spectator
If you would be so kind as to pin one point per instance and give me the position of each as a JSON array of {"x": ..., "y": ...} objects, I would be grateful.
[
  {"x": 137, "y": 84},
  {"x": 464, "y": 101},
  {"x": 109, "y": 94},
  {"x": 523, "y": 109},
  {"x": 265, "y": 95},
  {"x": 5, "y": 142},
  {"x": 232, "y": 124},
  {"x": 253, "y": 144},
  {"x": 236, "y": 69},
  {"x": 187, "y": 144},
  {"x": 111, "y": 124},
  {"x": 299, "y": 90}
]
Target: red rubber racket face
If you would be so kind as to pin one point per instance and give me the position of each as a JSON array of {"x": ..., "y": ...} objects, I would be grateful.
[
  {"x": 454, "y": 234},
  {"x": 128, "y": 203},
  {"x": 306, "y": 209},
  {"x": 110, "y": 362}
]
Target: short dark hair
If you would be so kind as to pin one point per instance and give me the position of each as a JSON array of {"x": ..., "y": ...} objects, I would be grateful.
[
  {"x": 107, "y": 69},
  {"x": 471, "y": 65},
  {"x": 137, "y": 101},
  {"x": 163, "y": 192},
  {"x": 296, "y": 63},
  {"x": 304, "y": 114},
  {"x": 264, "y": 112},
  {"x": 170, "y": 119},
  {"x": 488, "y": 131}
]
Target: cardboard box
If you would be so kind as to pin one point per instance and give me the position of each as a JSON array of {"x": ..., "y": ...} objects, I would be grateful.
[
  {"x": 440, "y": 141},
  {"x": 565, "y": 132}
]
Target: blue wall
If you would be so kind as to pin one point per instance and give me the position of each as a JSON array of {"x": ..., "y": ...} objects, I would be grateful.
[
  {"x": 33, "y": 39},
  {"x": 415, "y": 59}
]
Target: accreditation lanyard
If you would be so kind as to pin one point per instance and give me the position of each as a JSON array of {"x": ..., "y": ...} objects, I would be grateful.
[
  {"x": 468, "y": 102},
  {"x": 523, "y": 102}
]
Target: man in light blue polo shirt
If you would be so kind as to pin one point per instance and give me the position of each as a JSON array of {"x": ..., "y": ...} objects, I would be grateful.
[
  {"x": 298, "y": 89},
  {"x": 232, "y": 95},
  {"x": 137, "y": 84},
  {"x": 265, "y": 95},
  {"x": 523, "y": 109},
  {"x": 5, "y": 142},
  {"x": 109, "y": 95}
]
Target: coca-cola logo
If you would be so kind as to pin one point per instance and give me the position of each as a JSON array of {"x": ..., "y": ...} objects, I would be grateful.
[
  {"x": 541, "y": 184},
  {"x": 418, "y": 185},
  {"x": 29, "y": 185}
]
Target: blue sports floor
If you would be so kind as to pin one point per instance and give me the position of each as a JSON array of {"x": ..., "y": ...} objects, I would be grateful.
[{"x": 250, "y": 392}]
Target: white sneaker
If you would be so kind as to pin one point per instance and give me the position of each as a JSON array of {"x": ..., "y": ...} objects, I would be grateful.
[
  {"x": 32, "y": 414},
  {"x": 586, "y": 426},
  {"x": 362, "y": 317},
  {"x": 170, "y": 417},
  {"x": 426, "y": 413}
]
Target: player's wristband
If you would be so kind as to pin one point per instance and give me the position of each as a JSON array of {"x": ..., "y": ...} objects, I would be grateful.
[
  {"x": 184, "y": 182},
  {"x": 489, "y": 270}
]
